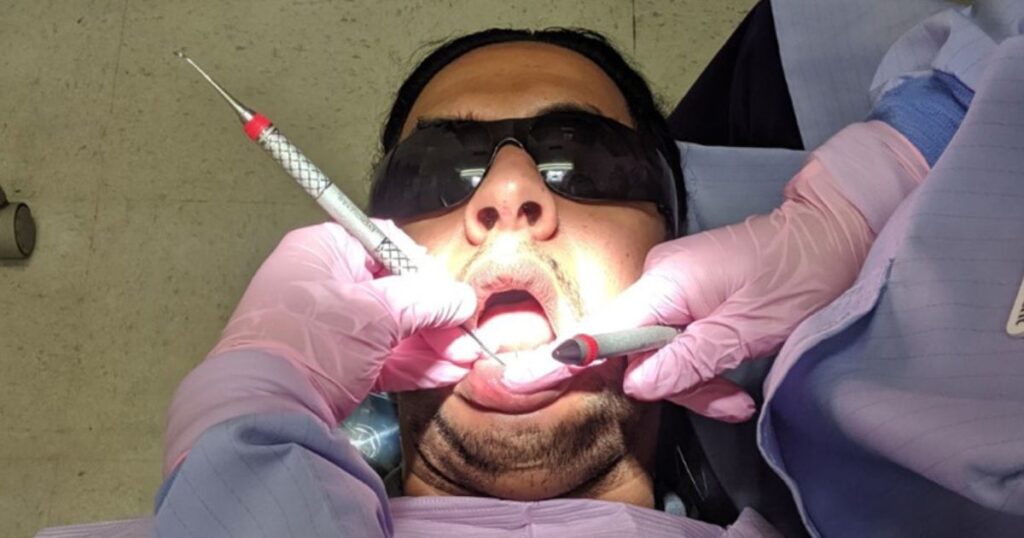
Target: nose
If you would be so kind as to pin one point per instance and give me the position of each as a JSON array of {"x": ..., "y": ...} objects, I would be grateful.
[{"x": 512, "y": 198}]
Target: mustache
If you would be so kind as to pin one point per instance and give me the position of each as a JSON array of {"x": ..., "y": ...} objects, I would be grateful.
[{"x": 567, "y": 287}]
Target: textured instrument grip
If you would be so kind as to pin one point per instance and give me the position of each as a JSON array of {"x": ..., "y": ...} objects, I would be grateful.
[
  {"x": 394, "y": 259},
  {"x": 298, "y": 165},
  {"x": 339, "y": 206}
]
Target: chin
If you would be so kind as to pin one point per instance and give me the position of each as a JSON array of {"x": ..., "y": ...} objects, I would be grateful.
[{"x": 461, "y": 447}]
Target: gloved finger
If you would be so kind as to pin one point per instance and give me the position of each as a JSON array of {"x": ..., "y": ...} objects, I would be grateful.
[
  {"x": 654, "y": 299},
  {"x": 705, "y": 349},
  {"x": 315, "y": 252},
  {"x": 420, "y": 301},
  {"x": 535, "y": 370},
  {"x": 452, "y": 344},
  {"x": 719, "y": 399},
  {"x": 414, "y": 364}
]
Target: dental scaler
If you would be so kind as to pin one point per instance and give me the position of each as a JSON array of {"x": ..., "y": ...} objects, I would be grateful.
[{"x": 345, "y": 212}]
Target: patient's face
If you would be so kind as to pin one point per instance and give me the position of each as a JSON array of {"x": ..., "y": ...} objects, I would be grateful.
[{"x": 538, "y": 262}]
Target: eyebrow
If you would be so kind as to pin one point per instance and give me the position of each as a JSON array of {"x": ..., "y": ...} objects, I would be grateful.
[{"x": 564, "y": 106}]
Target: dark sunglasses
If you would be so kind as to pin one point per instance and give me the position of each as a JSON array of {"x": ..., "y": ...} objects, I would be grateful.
[{"x": 581, "y": 156}]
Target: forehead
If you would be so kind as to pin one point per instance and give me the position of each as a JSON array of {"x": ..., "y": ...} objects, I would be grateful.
[{"x": 515, "y": 80}]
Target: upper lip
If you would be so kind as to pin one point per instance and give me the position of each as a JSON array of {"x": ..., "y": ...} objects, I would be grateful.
[{"x": 524, "y": 273}]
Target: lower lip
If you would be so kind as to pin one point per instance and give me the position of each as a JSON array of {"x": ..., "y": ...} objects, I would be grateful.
[{"x": 482, "y": 388}]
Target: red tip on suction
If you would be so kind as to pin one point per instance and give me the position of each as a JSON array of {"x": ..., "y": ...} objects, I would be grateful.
[
  {"x": 255, "y": 127},
  {"x": 591, "y": 345}
]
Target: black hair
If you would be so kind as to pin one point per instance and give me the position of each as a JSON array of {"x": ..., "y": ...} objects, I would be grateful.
[{"x": 647, "y": 117}]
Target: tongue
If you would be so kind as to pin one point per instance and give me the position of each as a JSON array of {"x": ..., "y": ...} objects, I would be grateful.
[{"x": 515, "y": 326}]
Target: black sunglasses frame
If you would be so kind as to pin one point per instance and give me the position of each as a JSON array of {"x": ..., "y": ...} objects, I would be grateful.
[{"x": 417, "y": 176}]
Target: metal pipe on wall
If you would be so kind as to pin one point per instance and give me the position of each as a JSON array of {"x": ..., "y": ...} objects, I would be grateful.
[{"x": 17, "y": 229}]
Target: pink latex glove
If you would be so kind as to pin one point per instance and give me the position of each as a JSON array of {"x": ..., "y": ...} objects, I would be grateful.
[
  {"x": 742, "y": 289},
  {"x": 315, "y": 331},
  {"x": 316, "y": 303}
]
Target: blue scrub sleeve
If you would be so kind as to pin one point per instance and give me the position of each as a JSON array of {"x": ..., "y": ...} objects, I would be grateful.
[{"x": 927, "y": 110}]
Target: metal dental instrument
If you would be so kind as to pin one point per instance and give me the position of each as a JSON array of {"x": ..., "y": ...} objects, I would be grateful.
[
  {"x": 584, "y": 349},
  {"x": 323, "y": 190}
]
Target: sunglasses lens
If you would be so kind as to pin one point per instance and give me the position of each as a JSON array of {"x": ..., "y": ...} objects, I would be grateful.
[
  {"x": 591, "y": 158},
  {"x": 556, "y": 145},
  {"x": 434, "y": 168}
]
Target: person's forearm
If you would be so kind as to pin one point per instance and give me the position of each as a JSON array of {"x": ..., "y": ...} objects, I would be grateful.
[
  {"x": 235, "y": 384},
  {"x": 874, "y": 167},
  {"x": 907, "y": 132},
  {"x": 273, "y": 474}
]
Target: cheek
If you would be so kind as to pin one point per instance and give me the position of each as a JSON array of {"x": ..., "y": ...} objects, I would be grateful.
[
  {"x": 441, "y": 236},
  {"x": 609, "y": 246},
  {"x": 428, "y": 231}
]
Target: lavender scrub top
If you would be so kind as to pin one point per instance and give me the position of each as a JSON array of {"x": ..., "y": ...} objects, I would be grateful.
[{"x": 288, "y": 474}]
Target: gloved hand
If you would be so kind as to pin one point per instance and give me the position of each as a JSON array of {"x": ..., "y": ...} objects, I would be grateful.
[
  {"x": 742, "y": 289},
  {"x": 316, "y": 303}
]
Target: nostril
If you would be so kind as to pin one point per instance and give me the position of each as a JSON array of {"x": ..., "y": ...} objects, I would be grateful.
[
  {"x": 487, "y": 216},
  {"x": 530, "y": 210}
]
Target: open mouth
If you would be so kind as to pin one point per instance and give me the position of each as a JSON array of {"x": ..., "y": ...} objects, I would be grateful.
[
  {"x": 514, "y": 320},
  {"x": 520, "y": 310},
  {"x": 509, "y": 297},
  {"x": 510, "y": 320}
]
